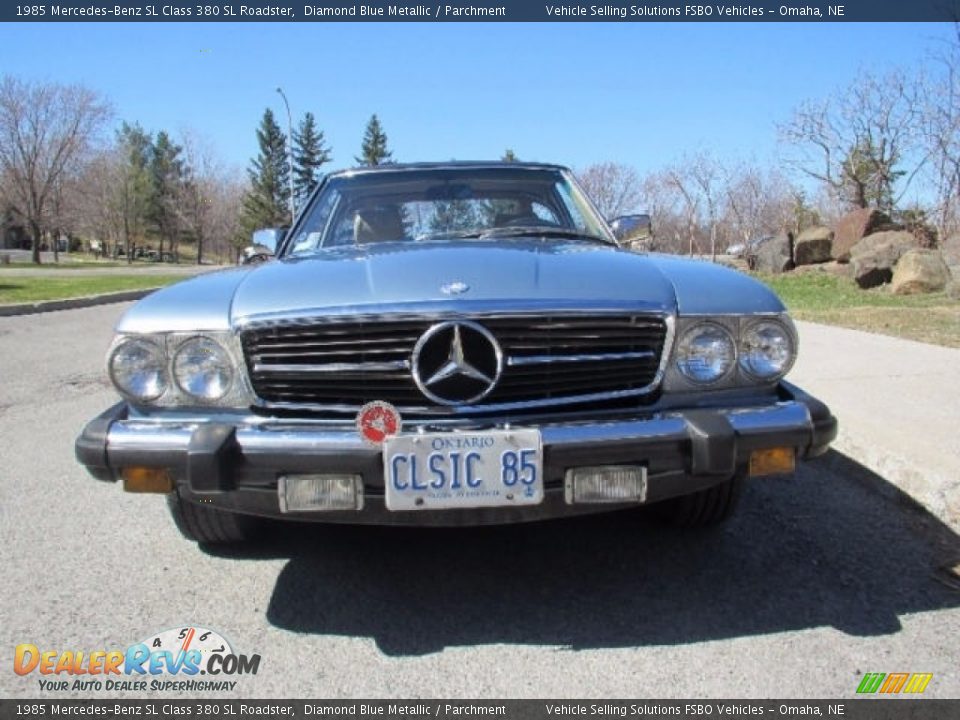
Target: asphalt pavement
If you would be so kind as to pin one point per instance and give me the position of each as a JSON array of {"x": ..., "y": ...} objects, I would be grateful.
[{"x": 820, "y": 577}]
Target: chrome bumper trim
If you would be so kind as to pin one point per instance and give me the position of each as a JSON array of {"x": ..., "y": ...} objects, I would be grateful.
[{"x": 127, "y": 438}]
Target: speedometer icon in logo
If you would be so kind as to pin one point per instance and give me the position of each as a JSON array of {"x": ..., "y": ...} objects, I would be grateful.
[
  {"x": 193, "y": 638},
  {"x": 456, "y": 362}
]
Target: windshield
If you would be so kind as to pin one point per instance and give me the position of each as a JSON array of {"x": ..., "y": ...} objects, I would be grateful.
[{"x": 438, "y": 204}]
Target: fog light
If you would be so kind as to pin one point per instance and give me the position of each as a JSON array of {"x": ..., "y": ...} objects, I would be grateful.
[
  {"x": 772, "y": 461},
  {"x": 606, "y": 484},
  {"x": 305, "y": 493},
  {"x": 146, "y": 480}
]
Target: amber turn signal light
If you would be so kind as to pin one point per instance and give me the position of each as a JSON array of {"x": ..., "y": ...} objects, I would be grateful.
[
  {"x": 146, "y": 480},
  {"x": 772, "y": 461}
]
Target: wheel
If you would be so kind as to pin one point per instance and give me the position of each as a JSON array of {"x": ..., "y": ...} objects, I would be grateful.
[
  {"x": 705, "y": 507},
  {"x": 211, "y": 526}
]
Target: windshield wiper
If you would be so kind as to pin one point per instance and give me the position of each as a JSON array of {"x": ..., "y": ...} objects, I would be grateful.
[
  {"x": 450, "y": 235},
  {"x": 541, "y": 231},
  {"x": 518, "y": 231}
]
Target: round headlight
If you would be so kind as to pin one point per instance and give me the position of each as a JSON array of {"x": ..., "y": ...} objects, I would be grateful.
[
  {"x": 766, "y": 351},
  {"x": 202, "y": 369},
  {"x": 706, "y": 353},
  {"x": 137, "y": 369}
]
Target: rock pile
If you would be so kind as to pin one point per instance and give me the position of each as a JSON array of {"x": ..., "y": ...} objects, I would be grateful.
[{"x": 864, "y": 245}]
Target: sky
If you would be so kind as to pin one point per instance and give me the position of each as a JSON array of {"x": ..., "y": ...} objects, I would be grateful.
[{"x": 643, "y": 94}]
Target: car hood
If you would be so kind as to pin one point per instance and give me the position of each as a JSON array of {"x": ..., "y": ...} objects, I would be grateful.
[
  {"x": 514, "y": 275},
  {"x": 507, "y": 275}
]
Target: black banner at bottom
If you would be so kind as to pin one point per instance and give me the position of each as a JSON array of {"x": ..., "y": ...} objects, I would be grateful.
[{"x": 876, "y": 708}]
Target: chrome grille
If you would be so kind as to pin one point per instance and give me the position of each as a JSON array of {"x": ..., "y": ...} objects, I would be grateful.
[{"x": 339, "y": 365}]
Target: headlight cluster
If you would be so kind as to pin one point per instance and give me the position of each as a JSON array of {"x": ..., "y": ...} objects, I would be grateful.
[
  {"x": 766, "y": 350},
  {"x": 192, "y": 369},
  {"x": 137, "y": 369},
  {"x": 202, "y": 369},
  {"x": 707, "y": 352}
]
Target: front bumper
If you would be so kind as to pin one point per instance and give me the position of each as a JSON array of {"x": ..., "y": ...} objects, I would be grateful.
[{"x": 236, "y": 466}]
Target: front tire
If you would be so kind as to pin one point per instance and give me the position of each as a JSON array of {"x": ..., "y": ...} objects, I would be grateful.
[
  {"x": 705, "y": 508},
  {"x": 211, "y": 526}
]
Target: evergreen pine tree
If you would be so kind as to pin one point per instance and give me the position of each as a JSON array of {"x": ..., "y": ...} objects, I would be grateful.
[
  {"x": 167, "y": 175},
  {"x": 310, "y": 152},
  {"x": 373, "y": 150},
  {"x": 266, "y": 202},
  {"x": 509, "y": 156},
  {"x": 134, "y": 193}
]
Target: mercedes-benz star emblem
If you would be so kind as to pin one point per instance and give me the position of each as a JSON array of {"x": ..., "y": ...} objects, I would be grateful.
[{"x": 456, "y": 362}]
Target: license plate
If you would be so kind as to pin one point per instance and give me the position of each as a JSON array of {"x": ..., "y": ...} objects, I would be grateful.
[{"x": 491, "y": 468}]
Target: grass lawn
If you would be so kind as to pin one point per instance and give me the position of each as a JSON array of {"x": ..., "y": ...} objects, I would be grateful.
[
  {"x": 825, "y": 298},
  {"x": 20, "y": 289}
]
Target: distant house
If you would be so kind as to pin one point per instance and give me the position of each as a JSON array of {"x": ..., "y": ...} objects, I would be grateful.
[{"x": 13, "y": 235}]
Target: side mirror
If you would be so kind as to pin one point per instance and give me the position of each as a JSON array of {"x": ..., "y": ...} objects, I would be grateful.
[
  {"x": 627, "y": 227},
  {"x": 264, "y": 247}
]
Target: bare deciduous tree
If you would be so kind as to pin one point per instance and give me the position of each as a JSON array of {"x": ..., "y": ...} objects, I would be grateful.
[
  {"x": 707, "y": 177},
  {"x": 211, "y": 201},
  {"x": 101, "y": 200},
  {"x": 196, "y": 193},
  {"x": 941, "y": 132},
  {"x": 45, "y": 132},
  {"x": 613, "y": 187},
  {"x": 225, "y": 225},
  {"x": 678, "y": 178},
  {"x": 862, "y": 143},
  {"x": 664, "y": 205},
  {"x": 757, "y": 202}
]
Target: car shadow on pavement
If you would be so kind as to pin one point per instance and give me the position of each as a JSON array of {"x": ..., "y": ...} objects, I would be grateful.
[{"x": 837, "y": 545}]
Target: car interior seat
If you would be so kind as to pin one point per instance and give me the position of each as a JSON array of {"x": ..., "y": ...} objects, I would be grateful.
[{"x": 378, "y": 224}]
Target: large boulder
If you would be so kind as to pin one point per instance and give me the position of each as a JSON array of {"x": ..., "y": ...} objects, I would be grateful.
[
  {"x": 853, "y": 227},
  {"x": 892, "y": 243},
  {"x": 920, "y": 271},
  {"x": 773, "y": 255},
  {"x": 874, "y": 256},
  {"x": 871, "y": 270},
  {"x": 814, "y": 245}
]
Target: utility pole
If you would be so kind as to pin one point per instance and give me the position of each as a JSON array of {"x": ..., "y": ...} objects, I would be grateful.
[{"x": 289, "y": 151}]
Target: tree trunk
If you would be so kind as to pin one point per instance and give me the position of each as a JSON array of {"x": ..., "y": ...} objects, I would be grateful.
[
  {"x": 35, "y": 231},
  {"x": 126, "y": 239},
  {"x": 860, "y": 199}
]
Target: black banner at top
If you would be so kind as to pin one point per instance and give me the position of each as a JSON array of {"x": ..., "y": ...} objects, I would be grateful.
[{"x": 481, "y": 11}]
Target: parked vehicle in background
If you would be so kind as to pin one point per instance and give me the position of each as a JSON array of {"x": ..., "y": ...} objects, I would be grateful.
[{"x": 743, "y": 249}]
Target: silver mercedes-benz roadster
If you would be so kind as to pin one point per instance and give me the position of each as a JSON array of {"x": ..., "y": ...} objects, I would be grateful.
[{"x": 449, "y": 344}]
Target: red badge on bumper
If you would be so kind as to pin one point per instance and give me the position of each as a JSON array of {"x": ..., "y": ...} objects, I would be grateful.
[{"x": 377, "y": 421}]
